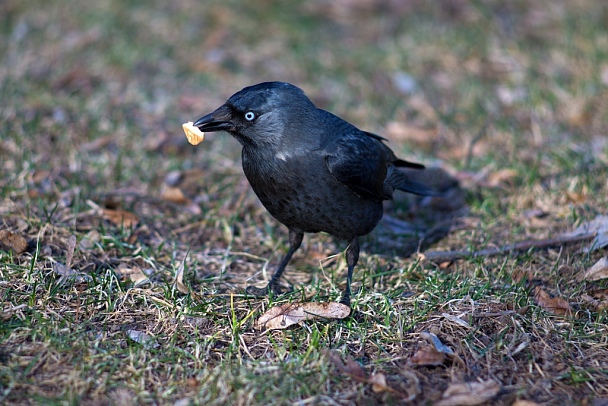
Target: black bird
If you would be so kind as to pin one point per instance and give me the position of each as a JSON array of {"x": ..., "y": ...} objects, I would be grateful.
[{"x": 312, "y": 170}]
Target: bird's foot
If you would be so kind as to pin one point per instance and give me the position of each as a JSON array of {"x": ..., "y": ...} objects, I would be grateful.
[
  {"x": 345, "y": 300},
  {"x": 261, "y": 292}
]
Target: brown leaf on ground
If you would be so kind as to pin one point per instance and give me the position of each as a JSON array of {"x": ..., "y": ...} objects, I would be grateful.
[
  {"x": 378, "y": 381},
  {"x": 597, "y": 298},
  {"x": 12, "y": 242},
  {"x": 89, "y": 240},
  {"x": 179, "y": 282},
  {"x": 134, "y": 274},
  {"x": 469, "y": 393},
  {"x": 502, "y": 177},
  {"x": 179, "y": 279},
  {"x": 520, "y": 274},
  {"x": 601, "y": 294},
  {"x": 598, "y": 271},
  {"x": 120, "y": 217},
  {"x": 555, "y": 305},
  {"x": 597, "y": 226},
  {"x": 574, "y": 197},
  {"x": 174, "y": 195},
  {"x": 432, "y": 355},
  {"x": 65, "y": 271},
  {"x": 427, "y": 356},
  {"x": 351, "y": 367},
  {"x": 288, "y": 314},
  {"x": 593, "y": 303}
]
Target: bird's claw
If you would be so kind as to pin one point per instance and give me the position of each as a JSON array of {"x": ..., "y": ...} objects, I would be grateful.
[{"x": 345, "y": 301}]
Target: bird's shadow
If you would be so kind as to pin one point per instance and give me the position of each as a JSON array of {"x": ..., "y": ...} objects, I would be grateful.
[{"x": 412, "y": 224}]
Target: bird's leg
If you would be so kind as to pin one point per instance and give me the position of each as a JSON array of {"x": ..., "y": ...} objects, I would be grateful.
[
  {"x": 295, "y": 240},
  {"x": 352, "y": 257}
]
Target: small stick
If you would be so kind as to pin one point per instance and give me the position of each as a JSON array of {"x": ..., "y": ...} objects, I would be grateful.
[{"x": 447, "y": 256}]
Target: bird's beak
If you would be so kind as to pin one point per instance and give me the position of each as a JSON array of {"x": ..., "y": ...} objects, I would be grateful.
[{"x": 219, "y": 120}]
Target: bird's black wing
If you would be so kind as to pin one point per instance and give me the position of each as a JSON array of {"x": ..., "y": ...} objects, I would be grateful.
[
  {"x": 359, "y": 162},
  {"x": 392, "y": 158}
]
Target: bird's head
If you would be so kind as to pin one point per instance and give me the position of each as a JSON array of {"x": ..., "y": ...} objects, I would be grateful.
[{"x": 260, "y": 114}]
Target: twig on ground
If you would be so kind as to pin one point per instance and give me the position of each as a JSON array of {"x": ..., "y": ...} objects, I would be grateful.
[{"x": 447, "y": 256}]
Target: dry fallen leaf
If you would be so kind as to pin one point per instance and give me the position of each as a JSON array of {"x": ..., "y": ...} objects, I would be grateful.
[
  {"x": 599, "y": 226},
  {"x": 555, "y": 305},
  {"x": 12, "y": 242},
  {"x": 194, "y": 135},
  {"x": 576, "y": 198},
  {"x": 174, "y": 195},
  {"x": 427, "y": 356},
  {"x": 351, "y": 367},
  {"x": 89, "y": 240},
  {"x": 135, "y": 274},
  {"x": 288, "y": 314},
  {"x": 120, "y": 217},
  {"x": 594, "y": 303},
  {"x": 601, "y": 294},
  {"x": 598, "y": 271},
  {"x": 520, "y": 274},
  {"x": 596, "y": 300},
  {"x": 469, "y": 393},
  {"x": 378, "y": 381},
  {"x": 65, "y": 272},
  {"x": 179, "y": 280},
  {"x": 502, "y": 177},
  {"x": 431, "y": 355}
]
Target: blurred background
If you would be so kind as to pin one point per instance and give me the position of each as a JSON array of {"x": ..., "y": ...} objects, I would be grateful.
[{"x": 486, "y": 84}]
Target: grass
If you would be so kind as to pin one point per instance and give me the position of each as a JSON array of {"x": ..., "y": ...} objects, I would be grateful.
[{"x": 93, "y": 96}]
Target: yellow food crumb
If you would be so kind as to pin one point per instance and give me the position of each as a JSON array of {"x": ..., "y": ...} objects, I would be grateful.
[{"x": 194, "y": 135}]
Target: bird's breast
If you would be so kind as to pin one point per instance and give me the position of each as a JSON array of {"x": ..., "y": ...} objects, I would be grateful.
[{"x": 301, "y": 193}]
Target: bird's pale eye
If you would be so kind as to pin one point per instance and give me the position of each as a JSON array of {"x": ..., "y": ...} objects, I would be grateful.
[{"x": 249, "y": 116}]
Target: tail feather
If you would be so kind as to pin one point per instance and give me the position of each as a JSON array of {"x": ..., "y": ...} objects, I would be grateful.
[
  {"x": 406, "y": 164},
  {"x": 399, "y": 180}
]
